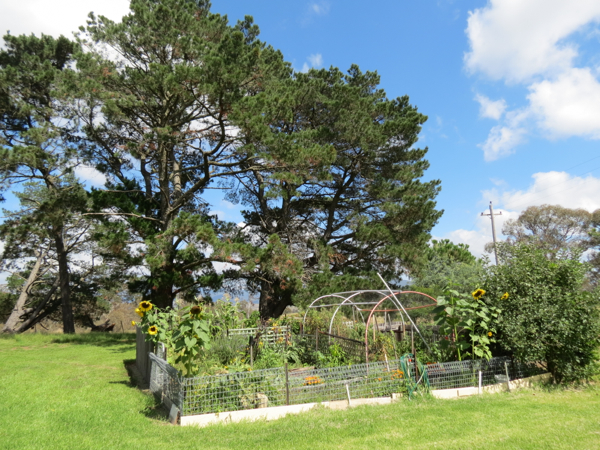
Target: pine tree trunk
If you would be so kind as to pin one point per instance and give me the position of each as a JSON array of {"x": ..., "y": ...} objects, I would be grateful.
[
  {"x": 19, "y": 309},
  {"x": 65, "y": 286},
  {"x": 162, "y": 295},
  {"x": 272, "y": 301}
]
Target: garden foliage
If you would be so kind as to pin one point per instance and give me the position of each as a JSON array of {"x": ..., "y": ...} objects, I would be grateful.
[{"x": 548, "y": 316}]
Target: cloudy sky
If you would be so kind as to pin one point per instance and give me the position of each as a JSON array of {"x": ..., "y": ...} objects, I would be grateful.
[{"x": 511, "y": 87}]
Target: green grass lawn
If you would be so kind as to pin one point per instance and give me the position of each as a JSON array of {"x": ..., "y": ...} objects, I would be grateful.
[{"x": 65, "y": 392}]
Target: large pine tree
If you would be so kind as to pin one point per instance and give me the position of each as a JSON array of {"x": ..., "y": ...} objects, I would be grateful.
[
  {"x": 339, "y": 183},
  {"x": 158, "y": 111}
]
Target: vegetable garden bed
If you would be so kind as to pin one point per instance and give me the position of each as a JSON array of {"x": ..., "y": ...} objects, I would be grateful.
[{"x": 278, "y": 386}]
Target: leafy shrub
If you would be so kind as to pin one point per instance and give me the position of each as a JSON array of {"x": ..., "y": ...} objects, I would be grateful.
[{"x": 547, "y": 316}]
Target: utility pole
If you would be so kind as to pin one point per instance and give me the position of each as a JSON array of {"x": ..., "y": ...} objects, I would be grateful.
[{"x": 491, "y": 214}]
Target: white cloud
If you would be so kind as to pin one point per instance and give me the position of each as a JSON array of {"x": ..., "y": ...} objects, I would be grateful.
[
  {"x": 553, "y": 188},
  {"x": 475, "y": 239},
  {"x": 57, "y": 17},
  {"x": 315, "y": 61},
  {"x": 491, "y": 109},
  {"x": 516, "y": 40},
  {"x": 533, "y": 42},
  {"x": 568, "y": 105},
  {"x": 90, "y": 175},
  {"x": 221, "y": 267},
  {"x": 482, "y": 234},
  {"x": 319, "y": 9},
  {"x": 502, "y": 141},
  {"x": 228, "y": 205},
  {"x": 220, "y": 214}
]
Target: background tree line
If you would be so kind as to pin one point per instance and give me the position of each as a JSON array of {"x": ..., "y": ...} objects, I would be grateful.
[{"x": 173, "y": 101}]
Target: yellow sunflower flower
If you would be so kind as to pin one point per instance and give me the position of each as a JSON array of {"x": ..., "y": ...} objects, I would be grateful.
[
  {"x": 490, "y": 334},
  {"x": 139, "y": 312},
  {"x": 152, "y": 330},
  {"x": 505, "y": 296},
  {"x": 133, "y": 324},
  {"x": 478, "y": 293},
  {"x": 145, "y": 306}
]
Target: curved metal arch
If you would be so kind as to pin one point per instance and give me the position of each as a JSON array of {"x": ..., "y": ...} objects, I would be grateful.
[
  {"x": 342, "y": 296},
  {"x": 338, "y": 308},
  {"x": 356, "y": 293},
  {"x": 401, "y": 310},
  {"x": 315, "y": 301}
]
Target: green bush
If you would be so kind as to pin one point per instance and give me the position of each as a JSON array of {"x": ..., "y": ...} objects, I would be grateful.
[{"x": 547, "y": 316}]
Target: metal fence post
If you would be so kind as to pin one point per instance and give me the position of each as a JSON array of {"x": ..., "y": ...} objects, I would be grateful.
[{"x": 252, "y": 351}]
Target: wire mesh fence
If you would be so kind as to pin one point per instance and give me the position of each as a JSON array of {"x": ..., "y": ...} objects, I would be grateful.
[
  {"x": 458, "y": 374},
  {"x": 165, "y": 382},
  {"x": 278, "y": 386}
]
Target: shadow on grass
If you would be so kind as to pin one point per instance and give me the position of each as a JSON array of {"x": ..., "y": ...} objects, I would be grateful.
[
  {"x": 155, "y": 411},
  {"x": 122, "y": 340}
]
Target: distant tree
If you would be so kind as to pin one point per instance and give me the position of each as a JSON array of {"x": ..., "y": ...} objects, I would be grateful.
[
  {"x": 594, "y": 246},
  {"x": 338, "y": 181},
  {"x": 448, "y": 265},
  {"x": 551, "y": 228}
]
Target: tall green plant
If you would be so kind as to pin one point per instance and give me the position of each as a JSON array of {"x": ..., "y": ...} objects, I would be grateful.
[
  {"x": 185, "y": 333},
  {"x": 469, "y": 321}
]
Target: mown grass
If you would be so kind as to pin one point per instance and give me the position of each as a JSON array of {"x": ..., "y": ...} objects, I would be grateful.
[{"x": 73, "y": 392}]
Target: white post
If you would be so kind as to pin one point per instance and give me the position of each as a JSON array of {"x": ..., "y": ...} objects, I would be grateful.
[
  {"x": 479, "y": 389},
  {"x": 348, "y": 392}
]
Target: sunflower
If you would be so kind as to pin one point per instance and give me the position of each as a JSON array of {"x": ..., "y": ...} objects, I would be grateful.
[
  {"x": 195, "y": 310},
  {"x": 133, "y": 324},
  {"x": 505, "y": 296},
  {"x": 490, "y": 334},
  {"x": 145, "y": 306},
  {"x": 152, "y": 330},
  {"x": 139, "y": 312},
  {"x": 478, "y": 293}
]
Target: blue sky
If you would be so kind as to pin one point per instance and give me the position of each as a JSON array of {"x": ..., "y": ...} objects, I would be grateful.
[{"x": 511, "y": 88}]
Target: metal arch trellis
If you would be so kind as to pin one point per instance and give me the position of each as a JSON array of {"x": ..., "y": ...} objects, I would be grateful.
[{"x": 359, "y": 301}]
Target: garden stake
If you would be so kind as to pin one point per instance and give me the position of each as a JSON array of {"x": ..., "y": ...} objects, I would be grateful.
[
  {"x": 416, "y": 365},
  {"x": 348, "y": 393},
  {"x": 479, "y": 389},
  {"x": 287, "y": 386},
  {"x": 507, "y": 377},
  {"x": 317, "y": 340}
]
